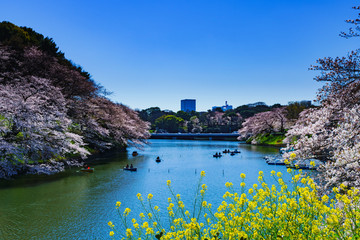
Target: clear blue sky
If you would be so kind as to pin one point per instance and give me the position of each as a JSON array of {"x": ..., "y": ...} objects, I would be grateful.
[{"x": 155, "y": 53}]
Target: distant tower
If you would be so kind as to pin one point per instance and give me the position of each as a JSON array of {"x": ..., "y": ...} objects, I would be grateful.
[
  {"x": 226, "y": 107},
  {"x": 188, "y": 105}
]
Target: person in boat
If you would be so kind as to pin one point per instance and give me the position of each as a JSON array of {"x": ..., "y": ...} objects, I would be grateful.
[
  {"x": 85, "y": 166},
  {"x": 131, "y": 166},
  {"x": 158, "y": 158},
  {"x": 127, "y": 166}
]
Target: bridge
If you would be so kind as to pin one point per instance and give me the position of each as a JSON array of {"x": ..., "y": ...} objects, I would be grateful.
[{"x": 196, "y": 136}]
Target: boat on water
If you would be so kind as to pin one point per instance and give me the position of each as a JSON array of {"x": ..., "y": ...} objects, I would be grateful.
[
  {"x": 276, "y": 162},
  {"x": 217, "y": 155},
  {"x": 130, "y": 169},
  {"x": 232, "y": 154},
  {"x": 158, "y": 160},
  {"x": 89, "y": 170},
  {"x": 135, "y": 153}
]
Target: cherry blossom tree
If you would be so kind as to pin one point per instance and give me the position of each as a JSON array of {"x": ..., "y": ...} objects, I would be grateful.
[
  {"x": 50, "y": 110},
  {"x": 34, "y": 126},
  {"x": 105, "y": 124},
  {"x": 264, "y": 122},
  {"x": 353, "y": 32}
]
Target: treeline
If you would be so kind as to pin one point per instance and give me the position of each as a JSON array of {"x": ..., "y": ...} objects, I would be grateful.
[
  {"x": 216, "y": 121},
  {"x": 52, "y": 113}
]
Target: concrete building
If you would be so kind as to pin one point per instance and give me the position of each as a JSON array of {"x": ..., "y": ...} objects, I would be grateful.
[
  {"x": 224, "y": 108},
  {"x": 188, "y": 105}
]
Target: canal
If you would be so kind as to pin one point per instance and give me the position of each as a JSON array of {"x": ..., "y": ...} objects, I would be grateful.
[{"x": 75, "y": 205}]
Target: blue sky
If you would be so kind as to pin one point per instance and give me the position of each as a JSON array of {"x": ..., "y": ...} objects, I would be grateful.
[{"x": 155, "y": 53}]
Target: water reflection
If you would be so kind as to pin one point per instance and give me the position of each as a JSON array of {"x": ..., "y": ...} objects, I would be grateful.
[{"x": 75, "y": 205}]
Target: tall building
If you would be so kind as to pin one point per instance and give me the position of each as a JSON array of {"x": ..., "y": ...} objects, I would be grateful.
[{"x": 188, "y": 105}]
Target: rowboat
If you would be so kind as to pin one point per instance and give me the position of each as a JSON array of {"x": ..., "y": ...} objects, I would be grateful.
[
  {"x": 130, "y": 169},
  {"x": 134, "y": 153},
  {"x": 89, "y": 170}
]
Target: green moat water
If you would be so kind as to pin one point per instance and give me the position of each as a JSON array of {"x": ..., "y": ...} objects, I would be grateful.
[{"x": 75, "y": 205}]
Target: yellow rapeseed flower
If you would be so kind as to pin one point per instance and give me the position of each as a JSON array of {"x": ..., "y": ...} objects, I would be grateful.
[
  {"x": 202, "y": 173},
  {"x": 128, "y": 232},
  {"x": 243, "y": 175},
  {"x": 150, "y": 196},
  {"x": 111, "y": 233}
]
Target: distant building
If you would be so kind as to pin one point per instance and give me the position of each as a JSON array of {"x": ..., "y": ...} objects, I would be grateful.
[
  {"x": 188, "y": 105},
  {"x": 256, "y": 104},
  {"x": 224, "y": 108}
]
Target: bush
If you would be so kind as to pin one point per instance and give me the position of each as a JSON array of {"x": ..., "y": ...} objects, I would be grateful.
[{"x": 261, "y": 212}]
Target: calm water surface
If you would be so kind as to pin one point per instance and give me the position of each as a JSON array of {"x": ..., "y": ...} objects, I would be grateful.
[{"x": 75, "y": 205}]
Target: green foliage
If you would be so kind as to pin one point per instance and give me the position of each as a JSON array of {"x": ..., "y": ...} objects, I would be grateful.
[
  {"x": 246, "y": 111},
  {"x": 184, "y": 115},
  {"x": 294, "y": 109},
  {"x": 170, "y": 123},
  {"x": 268, "y": 139}
]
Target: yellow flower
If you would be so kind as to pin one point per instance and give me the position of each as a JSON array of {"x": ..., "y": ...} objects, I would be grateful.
[
  {"x": 242, "y": 184},
  {"x": 261, "y": 173},
  {"x": 228, "y": 184},
  {"x": 110, "y": 224},
  {"x": 243, "y": 175},
  {"x": 279, "y": 174},
  {"x": 292, "y": 155},
  {"x": 145, "y": 225},
  {"x": 118, "y": 204},
  {"x": 150, "y": 196},
  {"x": 138, "y": 195},
  {"x": 168, "y": 182},
  {"x": 128, "y": 232},
  {"x": 202, "y": 173},
  {"x": 111, "y": 233},
  {"x": 142, "y": 215},
  {"x": 312, "y": 163}
]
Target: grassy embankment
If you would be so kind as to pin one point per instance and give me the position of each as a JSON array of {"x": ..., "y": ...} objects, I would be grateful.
[{"x": 267, "y": 139}]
